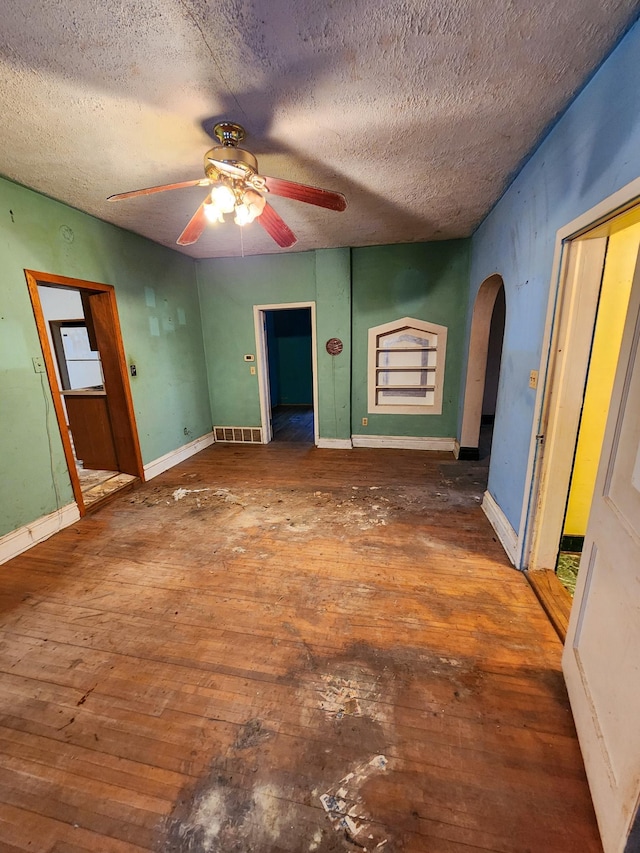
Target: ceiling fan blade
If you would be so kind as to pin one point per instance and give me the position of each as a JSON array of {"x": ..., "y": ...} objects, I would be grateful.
[
  {"x": 309, "y": 195},
  {"x": 199, "y": 182},
  {"x": 195, "y": 227},
  {"x": 276, "y": 227}
]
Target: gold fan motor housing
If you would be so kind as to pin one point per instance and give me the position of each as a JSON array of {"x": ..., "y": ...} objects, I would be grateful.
[
  {"x": 229, "y": 154},
  {"x": 229, "y": 134}
]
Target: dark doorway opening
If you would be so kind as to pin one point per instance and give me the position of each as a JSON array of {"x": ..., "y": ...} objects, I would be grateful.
[
  {"x": 290, "y": 362},
  {"x": 492, "y": 375}
]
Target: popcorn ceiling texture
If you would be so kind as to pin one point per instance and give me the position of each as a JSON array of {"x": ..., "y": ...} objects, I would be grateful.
[{"x": 418, "y": 110}]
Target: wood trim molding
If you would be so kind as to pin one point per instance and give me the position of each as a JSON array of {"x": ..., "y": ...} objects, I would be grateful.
[
  {"x": 554, "y": 598},
  {"x": 20, "y": 540},
  {"x": 500, "y": 523},
  {"x": 103, "y": 295},
  {"x": 163, "y": 463},
  {"x": 41, "y": 324},
  {"x": 402, "y": 442},
  {"x": 334, "y": 443},
  {"x": 116, "y": 377},
  {"x": 64, "y": 281}
]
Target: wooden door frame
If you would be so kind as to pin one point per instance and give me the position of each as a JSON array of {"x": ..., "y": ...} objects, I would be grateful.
[
  {"x": 577, "y": 273},
  {"x": 34, "y": 279},
  {"x": 262, "y": 364}
]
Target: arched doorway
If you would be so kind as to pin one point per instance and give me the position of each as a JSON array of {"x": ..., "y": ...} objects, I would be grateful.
[{"x": 483, "y": 366}]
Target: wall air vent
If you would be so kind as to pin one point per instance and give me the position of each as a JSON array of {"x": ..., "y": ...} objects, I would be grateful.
[{"x": 238, "y": 435}]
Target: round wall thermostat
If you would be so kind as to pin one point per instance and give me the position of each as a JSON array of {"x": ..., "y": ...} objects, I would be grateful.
[{"x": 334, "y": 346}]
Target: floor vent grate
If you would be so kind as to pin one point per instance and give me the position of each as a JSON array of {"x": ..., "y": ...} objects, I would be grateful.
[{"x": 238, "y": 435}]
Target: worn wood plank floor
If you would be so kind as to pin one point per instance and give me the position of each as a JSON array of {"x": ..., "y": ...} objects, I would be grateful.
[
  {"x": 292, "y": 423},
  {"x": 276, "y": 649}
]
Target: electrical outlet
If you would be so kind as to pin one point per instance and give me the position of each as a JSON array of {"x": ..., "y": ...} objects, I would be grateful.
[
  {"x": 253, "y": 370},
  {"x": 38, "y": 364},
  {"x": 533, "y": 379},
  {"x": 365, "y": 422}
]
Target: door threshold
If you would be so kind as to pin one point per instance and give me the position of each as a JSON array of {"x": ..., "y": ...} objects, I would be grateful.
[
  {"x": 101, "y": 496},
  {"x": 554, "y": 598}
]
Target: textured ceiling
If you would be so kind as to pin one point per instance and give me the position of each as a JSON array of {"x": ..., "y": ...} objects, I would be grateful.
[{"x": 418, "y": 111}]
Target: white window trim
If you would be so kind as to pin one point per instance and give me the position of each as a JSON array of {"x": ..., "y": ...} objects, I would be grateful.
[{"x": 374, "y": 407}]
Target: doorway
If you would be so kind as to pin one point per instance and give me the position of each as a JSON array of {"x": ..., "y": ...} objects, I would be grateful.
[
  {"x": 84, "y": 360},
  {"x": 286, "y": 354},
  {"x": 615, "y": 290},
  {"x": 483, "y": 370},
  {"x": 598, "y": 274}
]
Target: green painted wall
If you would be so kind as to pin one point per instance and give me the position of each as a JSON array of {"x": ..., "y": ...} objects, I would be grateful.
[
  {"x": 230, "y": 287},
  {"x": 184, "y": 383},
  {"x": 428, "y": 281},
  {"x": 164, "y": 339},
  {"x": 333, "y": 285}
]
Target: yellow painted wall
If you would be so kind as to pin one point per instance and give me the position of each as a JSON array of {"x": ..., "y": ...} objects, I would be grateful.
[{"x": 622, "y": 252}]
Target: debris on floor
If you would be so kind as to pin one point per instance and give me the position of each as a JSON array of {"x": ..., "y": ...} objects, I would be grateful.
[{"x": 344, "y": 807}]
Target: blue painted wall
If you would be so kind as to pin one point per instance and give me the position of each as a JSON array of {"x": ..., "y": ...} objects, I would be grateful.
[{"x": 591, "y": 152}]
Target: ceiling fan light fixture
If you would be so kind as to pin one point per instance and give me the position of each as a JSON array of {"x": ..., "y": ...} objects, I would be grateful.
[
  {"x": 212, "y": 212},
  {"x": 223, "y": 198},
  {"x": 250, "y": 208},
  {"x": 237, "y": 187},
  {"x": 254, "y": 201},
  {"x": 244, "y": 215}
]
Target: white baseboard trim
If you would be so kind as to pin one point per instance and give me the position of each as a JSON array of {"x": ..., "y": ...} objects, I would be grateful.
[
  {"x": 163, "y": 463},
  {"x": 335, "y": 443},
  {"x": 456, "y": 448},
  {"x": 17, "y": 541},
  {"x": 500, "y": 523},
  {"x": 403, "y": 442}
]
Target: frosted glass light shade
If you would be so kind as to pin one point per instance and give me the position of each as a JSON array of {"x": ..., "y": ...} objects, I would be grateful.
[{"x": 223, "y": 198}]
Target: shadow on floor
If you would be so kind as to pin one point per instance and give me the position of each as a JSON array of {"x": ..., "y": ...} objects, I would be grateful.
[{"x": 293, "y": 423}]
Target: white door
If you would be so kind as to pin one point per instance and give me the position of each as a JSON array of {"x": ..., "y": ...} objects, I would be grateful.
[{"x": 601, "y": 658}]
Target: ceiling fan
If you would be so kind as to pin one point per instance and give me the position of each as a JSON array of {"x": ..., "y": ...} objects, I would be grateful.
[{"x": 237, "y": 186}]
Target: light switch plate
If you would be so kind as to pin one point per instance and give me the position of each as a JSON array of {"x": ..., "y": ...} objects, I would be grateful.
[
  {"x": 38, "y": 364},
  {"x": 533, "y": 379}
]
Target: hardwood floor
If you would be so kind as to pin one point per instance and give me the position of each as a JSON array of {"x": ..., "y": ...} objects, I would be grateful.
[
  {"x": 293, "y": 423},
  {"x": 282, "y": 648}
]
